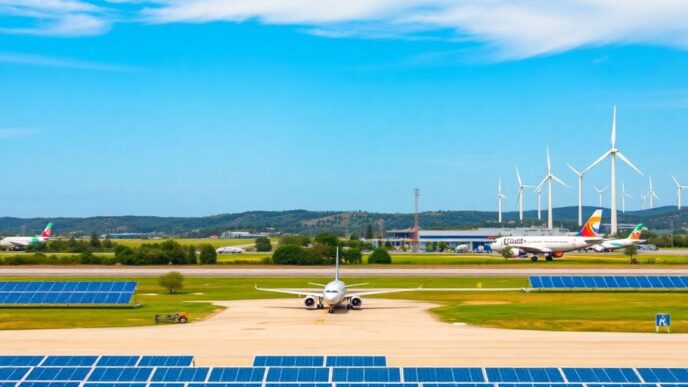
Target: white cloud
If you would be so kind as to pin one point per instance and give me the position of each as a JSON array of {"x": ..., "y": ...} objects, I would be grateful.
[
  {"x": 515, "y": 29},
  {"x": 56, "y": 17}
]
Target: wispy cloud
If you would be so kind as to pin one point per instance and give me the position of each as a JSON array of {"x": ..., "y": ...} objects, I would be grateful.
[
  {"x": 11, "y": 133},
  {"x": 513, "y": 29},
  {"x": 41, "y": 60},
  {"x": 510, "y": 29}
]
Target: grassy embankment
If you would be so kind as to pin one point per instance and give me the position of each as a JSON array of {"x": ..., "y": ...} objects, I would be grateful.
[{"x": 629, "y": 312}]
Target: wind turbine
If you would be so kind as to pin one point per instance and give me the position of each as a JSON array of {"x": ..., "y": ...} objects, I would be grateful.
[
  {"x": 679, "y": 187},
  {"x": 539, "y": 200},
  {"x": 624, "y": 195},
  {"x": 643, "y": 198},
  {"x": 548, "y": 179},
  {"x": 599, "y": 193},
  {"x": 580, "y": 194},
  {"x": 500, "y": 197},
  {"x": 651, "y": 194},
  {"x": 521, "y": 187},
  {"x": 612, "y": 153}
]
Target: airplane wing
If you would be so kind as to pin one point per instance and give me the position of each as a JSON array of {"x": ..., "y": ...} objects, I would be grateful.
[
  {"x": 284, "y": 291},
  {"x": 373, "y": 292}
]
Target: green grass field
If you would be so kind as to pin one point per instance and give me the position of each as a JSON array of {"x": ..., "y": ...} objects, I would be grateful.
[
  {"x": 628, "y": 312},
  {"x": 189, "y": 241}
]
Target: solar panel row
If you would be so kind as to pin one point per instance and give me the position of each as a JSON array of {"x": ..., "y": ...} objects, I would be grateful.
[
  {"x": 67, "y": 286},
  {"x": 609, "y": 282},
  {"x": 319, "y": 361}
]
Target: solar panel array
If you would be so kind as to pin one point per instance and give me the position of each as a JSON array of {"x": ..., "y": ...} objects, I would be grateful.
[
  {"x": 316, "y": 371},
  {"x": 15, "y": 293},
  {"x": 609, "y": 282}
]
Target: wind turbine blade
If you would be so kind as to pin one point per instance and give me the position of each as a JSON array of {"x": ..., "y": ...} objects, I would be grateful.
[
  {"x": 614, "y": 128},
  {"x": 604, "y": 189},
  {"x": 542, "y": 184},
  {"x": 595, "y": 188},
  {"x": 676, "y": 181},
  {"x": 549, "y": 163},
  {"x": 599, "y": 160},
  {"x": 654, "y": 195},
  {"x": 628, "y": 162},
  {"x": 518, "y": 177},
  {"x": 573, "y": 169},
  {"x": 559, "y": 181}
]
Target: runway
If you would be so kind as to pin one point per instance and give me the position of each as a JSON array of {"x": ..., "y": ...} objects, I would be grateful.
[
  {"x": 401, "y": 329},
  {"x": 326, "y": 271}
]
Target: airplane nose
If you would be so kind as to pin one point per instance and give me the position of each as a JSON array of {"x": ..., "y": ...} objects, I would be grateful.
[{"x": 494, "y": 246}]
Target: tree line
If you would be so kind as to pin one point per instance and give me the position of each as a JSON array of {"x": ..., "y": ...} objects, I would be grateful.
[{"x": 322, "y": 250}]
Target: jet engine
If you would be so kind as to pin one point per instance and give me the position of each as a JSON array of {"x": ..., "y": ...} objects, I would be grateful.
[
  {"x": 309, "y": 301},
  {"x": 558, "y": 254},
  {"x": 517, "y": 252},
  {"x": 356, "y": 302}
]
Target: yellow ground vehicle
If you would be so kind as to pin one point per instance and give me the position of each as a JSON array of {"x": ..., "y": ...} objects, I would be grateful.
[{"x": 180, "y": 318}]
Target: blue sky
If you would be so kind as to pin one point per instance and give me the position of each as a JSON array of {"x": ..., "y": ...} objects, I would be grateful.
[{"x": 179, "y": 108}]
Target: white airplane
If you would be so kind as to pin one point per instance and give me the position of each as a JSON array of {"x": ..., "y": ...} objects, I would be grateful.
[
  {"x": 552, "y": 246},
  {"x": 19, "y": 242},
  {"x": 334, "y": 293},
  {"x": 615, "y": 244},
  {"x": 229, "y": 250}
]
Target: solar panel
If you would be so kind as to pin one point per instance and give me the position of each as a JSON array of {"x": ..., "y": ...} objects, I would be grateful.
[
  {"x": 66, "y": 292},
  {"x": 118, "y": 361},
  {"x": 224, "y": 385},
  {"x": 524, "y": 375},
  {"x": 49, "y": 384},
  {"x": 114, "y": 384},
  {"x": 383, "y": 385},
  {"x": 366, "y": 374},
  {"x": 13, "y": 373},
  {"x": 69, "y": 361},
  {"x": 443, "y": 375},
  {"x": 58, "y": 373},
  {"x": 180, "y": 374},
  {"x": 288, "y": 361},
  {"x": 609, "y": 282},
  {"x": 120, "y": 374},
  {"x": 294, "y": 374},
  {"x": 19, "y": 361},
  {"x": 299, "y": 385},
  {"x": 601, "y": 375},
  {"x": 664, "y": 375},
  {"x": 237, "y": 374},
  {"x": 166, "y": 361},
  {"x": 356, "y": 361}
]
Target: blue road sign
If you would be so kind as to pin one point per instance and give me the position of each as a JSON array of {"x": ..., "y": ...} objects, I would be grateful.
[{"x": 662, "y": 320}]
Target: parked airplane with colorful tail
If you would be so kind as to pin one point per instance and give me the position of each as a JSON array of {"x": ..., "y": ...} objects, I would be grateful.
[
  {"x": 615, "y": 244},
  {"x": 20, "y": 242},
  {"x": 552, "y": 246}
]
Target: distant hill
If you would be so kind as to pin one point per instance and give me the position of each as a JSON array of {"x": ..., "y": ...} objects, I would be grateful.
[{"x": 311, "y": 222}]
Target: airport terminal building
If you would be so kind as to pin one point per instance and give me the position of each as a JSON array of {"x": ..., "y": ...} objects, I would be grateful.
[{"x": 478, "y": 239}]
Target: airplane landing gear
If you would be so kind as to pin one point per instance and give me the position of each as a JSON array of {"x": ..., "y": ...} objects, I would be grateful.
[
  {"x": 320, "y": 306},
  {"x": 330, "y": 311},
  {"x": 534, "y": 258},
  {"x": 549, "y": 257}
]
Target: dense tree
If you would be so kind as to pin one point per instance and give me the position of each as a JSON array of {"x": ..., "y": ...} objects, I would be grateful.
[
  {"x": 263, "y": 244},
  {"x": 327, "y": 238},
  {"x": 172, "y": 281},
  {"x": 297, "y": 240},
  {"x": 352, "y": 256},
  {"x": 631, "y": 251},
  {"x": 191, "y": 254},
  {"x": 442, "y": 246},
  {"x": 296, "y": 255},
  {"x": 208, "y": 255},
  {"x": 95, "y": 241},
  {"x": 380, "y": 256},
  {"x": 369, "y": 232}
]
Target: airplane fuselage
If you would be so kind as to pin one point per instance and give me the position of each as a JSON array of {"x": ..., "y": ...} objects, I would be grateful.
[
  {"x": 18, "y": 242},
  {"x": 334, "y": 293},
  {"x": 544, "y": 244},
  {"x": 615, "y": 244}
]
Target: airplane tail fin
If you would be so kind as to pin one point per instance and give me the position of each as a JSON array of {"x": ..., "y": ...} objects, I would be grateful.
[
  {"x": 591, "y": 228},
  {"x": 635, "y": 234},
  {"x": 48, "y": 231},
  {"x": 336, "y": 269}
]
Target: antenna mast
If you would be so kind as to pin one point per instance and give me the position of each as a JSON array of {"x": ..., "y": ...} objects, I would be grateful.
[{"x": 416, "y": 227}]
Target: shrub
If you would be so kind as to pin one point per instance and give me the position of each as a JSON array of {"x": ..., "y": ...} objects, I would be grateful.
[
  {"x": 172, "y": 281},
  {"x": 263, "y": 244},
  {"x": 352, "y": 256},
  {"x": 296, "y": 255},
  {"x": 380, "y": 256},
  {"x": 208, "y": 255}
]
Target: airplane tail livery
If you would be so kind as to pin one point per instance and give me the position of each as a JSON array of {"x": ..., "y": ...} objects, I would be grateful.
[
  {"x": 591, "y": 228},
  {"x": 635, "y": 234},
  {"x": 48, "y": 231}
]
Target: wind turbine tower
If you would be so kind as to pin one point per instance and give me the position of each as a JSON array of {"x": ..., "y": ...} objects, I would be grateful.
[
  {"x": 580, "y": 194},
  {"x": 624, "y": 195},
  {"x": 599, "y": 193},
  {"x": 548, "y": 180},
  {"x": 679, "y": 187},
  {"x": 500, "y": 197},
  {"x": 521, "y": 187},
  {"x": 652, "y": 194},
  {"x": 613, "y": 153}
]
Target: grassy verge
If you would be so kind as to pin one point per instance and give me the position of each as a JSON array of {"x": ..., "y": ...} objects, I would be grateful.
[{"x": 627, "y": 312}]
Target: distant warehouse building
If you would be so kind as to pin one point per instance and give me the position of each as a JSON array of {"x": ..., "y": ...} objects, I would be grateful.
[{"x": 478, "y": 239}]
